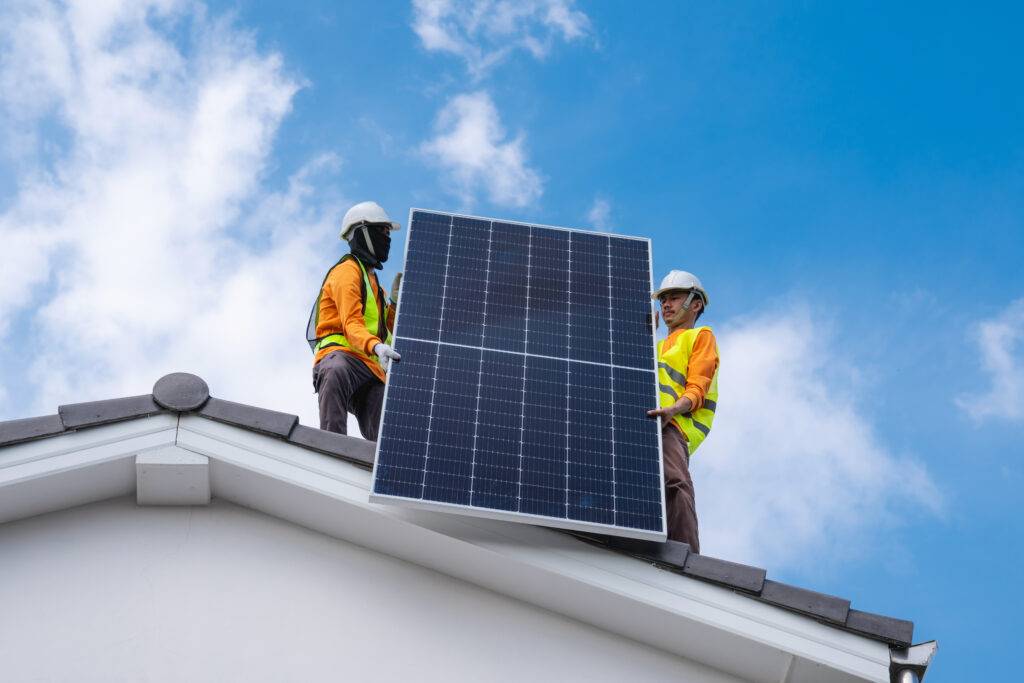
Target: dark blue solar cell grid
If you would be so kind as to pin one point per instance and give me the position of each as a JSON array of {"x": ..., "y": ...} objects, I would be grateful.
[
  {"x": 462, "y": 320},
  {"x": 505, "y": 327},
  {"x": 631, "y": 303},
  {"x": 637, "y": 476},
  {"x": 548, "y": 296},
  {"x": 499, "y": 430},
  {"x": 425, "y": 267},
  {"x": 410, "y": 394},
  {"x": 591, "y": 477},
  {"x": 590, "y": 336},
  {"x": 527, "y": 370},
  {"x": 545, "y": 437}
]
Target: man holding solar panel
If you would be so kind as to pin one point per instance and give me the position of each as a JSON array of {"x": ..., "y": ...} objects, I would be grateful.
[
  {"x": 687, "y": 395},
  {"x": 349, "y": 328}
]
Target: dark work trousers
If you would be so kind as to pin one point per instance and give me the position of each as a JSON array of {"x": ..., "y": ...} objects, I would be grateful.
[
  {"x": 682, "y": 510},
  {"x": 345, "y": 385}
]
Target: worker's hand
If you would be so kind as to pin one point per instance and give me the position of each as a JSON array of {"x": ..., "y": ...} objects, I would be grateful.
[
  {"x": 683, "y": 405},
  {"x": 657, "y": 319},
  {"x": 395, "y": 286},
  {"x": 386, "y": 354}
]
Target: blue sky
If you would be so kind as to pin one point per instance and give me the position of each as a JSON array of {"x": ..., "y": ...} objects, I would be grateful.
[{"x": 847, "y": 179}]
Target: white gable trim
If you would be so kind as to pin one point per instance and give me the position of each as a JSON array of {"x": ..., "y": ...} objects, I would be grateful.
[
  {"x": 77, "y": 467},
  {"x": 690, "y": 618}
]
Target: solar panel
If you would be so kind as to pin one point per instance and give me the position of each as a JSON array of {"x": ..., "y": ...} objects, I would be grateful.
[{"x": 528, "y": 366}]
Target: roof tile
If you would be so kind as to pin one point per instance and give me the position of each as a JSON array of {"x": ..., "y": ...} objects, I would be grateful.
[
  {"x": 257, "y": 419},
  {"x": 16, "y": 431},
  {"x": 732, "y": 574},
  {"x": 349, "y": 448},
  {"x": 672, "y": 554},
  {"x": 827, "y": 607},
  {"x": 897, "y": 632},
  {"x": 77, "y": 415}
]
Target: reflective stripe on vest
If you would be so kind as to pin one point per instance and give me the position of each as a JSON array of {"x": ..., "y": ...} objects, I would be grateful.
[
  {"x": 672, "y": 366},
  {"x": 372, "y": 317}
]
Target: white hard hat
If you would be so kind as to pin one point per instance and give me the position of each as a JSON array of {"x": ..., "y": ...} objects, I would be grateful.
[
  {"x": 680, "y": 279},
  {"x": 365, "y": 213}
]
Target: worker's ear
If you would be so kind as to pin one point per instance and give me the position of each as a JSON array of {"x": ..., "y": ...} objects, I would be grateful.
[{"x": 698, "y": 305}]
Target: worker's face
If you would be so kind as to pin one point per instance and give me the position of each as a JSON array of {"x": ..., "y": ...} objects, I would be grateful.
[
  {"x": 380, "y": 237},
  {"x": 673, "y": 311}
]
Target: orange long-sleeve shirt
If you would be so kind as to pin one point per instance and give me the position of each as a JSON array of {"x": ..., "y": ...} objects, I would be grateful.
[
  {"x": 341, "y": 312},
  {"x": 702, "y": 367}
]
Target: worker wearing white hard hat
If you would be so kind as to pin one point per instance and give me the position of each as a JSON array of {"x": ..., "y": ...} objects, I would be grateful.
[
  {"x": 349, "y": 328},
  {"x": 687, "y": 395}
]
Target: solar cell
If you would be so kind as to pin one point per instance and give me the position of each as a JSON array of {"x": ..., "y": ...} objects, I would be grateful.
[{"x": 527, "y": 370}]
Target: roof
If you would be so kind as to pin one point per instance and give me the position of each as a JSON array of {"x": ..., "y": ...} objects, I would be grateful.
[
  {"x": 187, "y": 398},
  {"x": 179, "y": 393}
]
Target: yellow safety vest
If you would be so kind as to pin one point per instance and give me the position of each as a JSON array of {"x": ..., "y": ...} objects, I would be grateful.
[
  {"x": 672, "y": 366},
  {"x": 372, "y": 315}
]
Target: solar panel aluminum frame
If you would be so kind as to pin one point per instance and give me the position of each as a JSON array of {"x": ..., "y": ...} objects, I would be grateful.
[{"x": 514, "y": 516}]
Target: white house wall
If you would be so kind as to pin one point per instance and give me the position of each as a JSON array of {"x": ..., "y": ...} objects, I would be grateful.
[{"x": 112, "y": 591}]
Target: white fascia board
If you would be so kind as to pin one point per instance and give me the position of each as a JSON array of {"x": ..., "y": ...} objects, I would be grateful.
[
  {"x": 687, "y": 617},
  {"x": 76, "y": 468}
]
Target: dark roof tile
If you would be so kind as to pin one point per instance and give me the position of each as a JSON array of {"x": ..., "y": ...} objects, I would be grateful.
[
  {"x": 15, "y": 431},
  {"x": 896, "y": 632},
  {"x": 732, "y": 574},
  {"x": 349, "y": 448},
  {"x": 257, "y": 419},
  {"x": 77, "y": 415},
  {"x": 670, "y": 554},
  {"x": 181, "y": 392},
  {"x": 827, "y": 607}
]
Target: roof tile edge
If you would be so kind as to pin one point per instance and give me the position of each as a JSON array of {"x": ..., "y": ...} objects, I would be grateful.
[
  {"x": 821, "y": 605},
  {"x": 29, "y": 428},
  {"x": 896, "y": 632},
  {"x": 732, "y": 574},
  {"x": 828, "y": 609},
  {"x": 353, "y": 449},
  {"x": 93, "y": 413},
  {"x": 242, "y": 415}
]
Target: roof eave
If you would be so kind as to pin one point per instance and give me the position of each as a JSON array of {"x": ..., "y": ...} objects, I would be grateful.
[{"x": 697, "y": 620}]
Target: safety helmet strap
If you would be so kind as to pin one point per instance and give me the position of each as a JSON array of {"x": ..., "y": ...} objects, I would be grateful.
[{"x": 369, "y": 242}]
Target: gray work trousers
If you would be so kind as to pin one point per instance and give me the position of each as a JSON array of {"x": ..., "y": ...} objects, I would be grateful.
[
  {"x": 345, "y": 385},
  {"x": 679, "y": 498}
]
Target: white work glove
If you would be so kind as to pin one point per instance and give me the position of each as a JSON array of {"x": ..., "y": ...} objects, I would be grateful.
[{"x": 386, "y": 354}]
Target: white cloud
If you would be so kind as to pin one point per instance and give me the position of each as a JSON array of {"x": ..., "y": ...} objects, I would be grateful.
[
  {"x": 600, "y": 214},
  {"x": 1001, "y": 342},
  {"x": 472, "y": 147},
  {"x": 484, "y": 32},
  {"x": 148, "y": 242},
  {"x": 793, "y": 470},
  {"x": 470, "y": 143}
]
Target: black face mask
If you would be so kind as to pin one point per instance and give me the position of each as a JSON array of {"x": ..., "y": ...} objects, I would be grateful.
[{"x": 380, "y": 241}]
